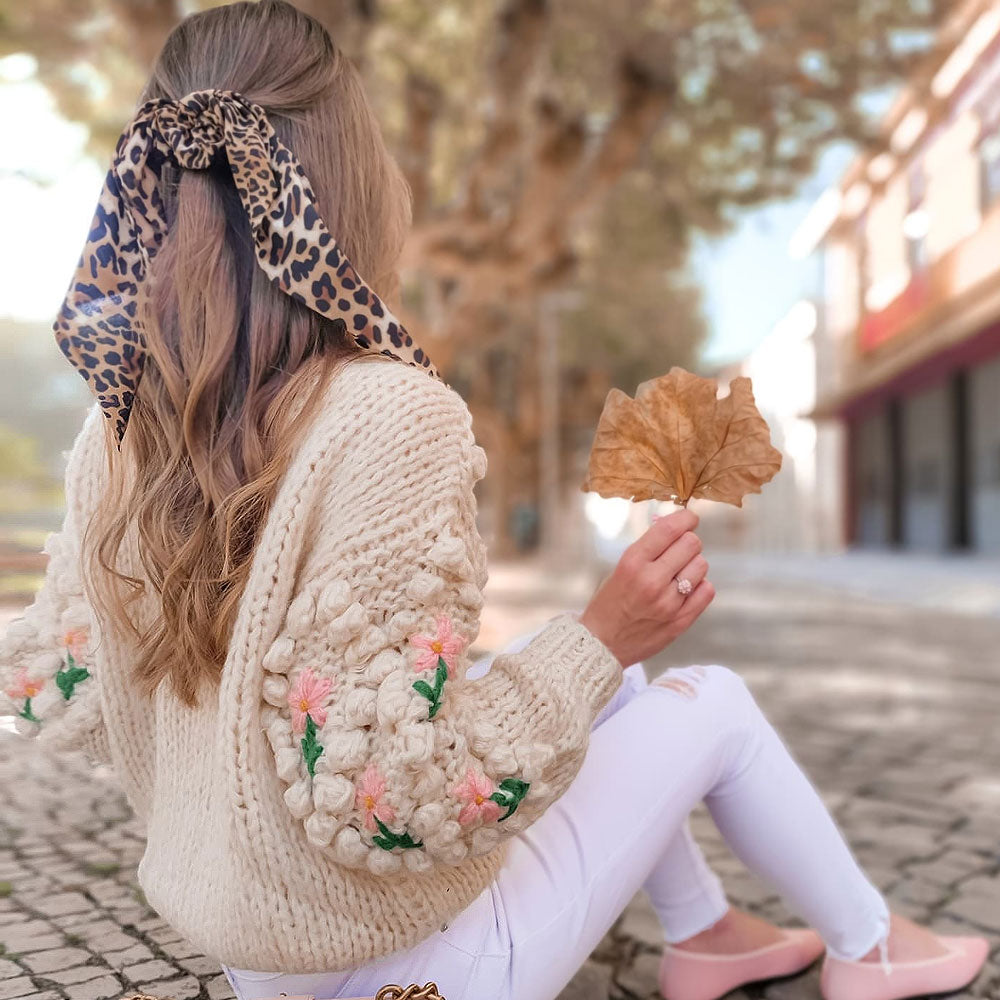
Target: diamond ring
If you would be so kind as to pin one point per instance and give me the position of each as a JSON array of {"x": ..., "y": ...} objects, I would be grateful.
[{"x": 684, "y": 585}]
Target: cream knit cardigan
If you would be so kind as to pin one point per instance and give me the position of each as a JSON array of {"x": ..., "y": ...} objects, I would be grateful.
[{"x": 347, "y": 789}]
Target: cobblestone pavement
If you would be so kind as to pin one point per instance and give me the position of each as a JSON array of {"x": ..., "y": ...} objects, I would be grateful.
[{"x": 893, "y": 712}]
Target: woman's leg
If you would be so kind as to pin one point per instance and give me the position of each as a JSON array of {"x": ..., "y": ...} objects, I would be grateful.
[
  {"x": 569, "y": 875},
  {"x": 685, "y": 893}
]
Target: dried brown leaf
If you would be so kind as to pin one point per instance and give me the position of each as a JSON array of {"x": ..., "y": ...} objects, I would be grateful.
[{"x": 677, "y": 440}]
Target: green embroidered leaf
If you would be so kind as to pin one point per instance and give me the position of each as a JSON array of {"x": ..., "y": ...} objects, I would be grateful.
[
  {"x": 511, "y": 794},
  {"x": 433, "y": 694},
  {"x": 67, "y": 680},
  {"x": 512, "y": 808},
  {"x": 311, "y": 747},
  {"x": 425, "y": 689},
  {"x": 26, "y": 712},
  {"x": 516, "y": 786},
  {"x": 389, "y": 840}
]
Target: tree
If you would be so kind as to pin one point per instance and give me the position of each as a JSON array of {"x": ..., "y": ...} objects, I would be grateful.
[{"x": 518, "y": 121}]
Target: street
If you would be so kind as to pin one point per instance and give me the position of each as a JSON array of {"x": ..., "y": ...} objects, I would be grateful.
[{"x": 891, "y": 705}]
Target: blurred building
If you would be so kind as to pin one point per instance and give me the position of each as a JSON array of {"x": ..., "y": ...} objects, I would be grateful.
[
  {"x": 908, "y": 338},
  {"x": 801, "y": 508}
]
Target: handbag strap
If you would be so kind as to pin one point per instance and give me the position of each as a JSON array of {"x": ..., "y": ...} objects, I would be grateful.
[{"x": 390, "y": 991}]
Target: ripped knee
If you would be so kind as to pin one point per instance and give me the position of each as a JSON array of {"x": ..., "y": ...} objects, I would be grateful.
[
  {"x": 688, "y": 681},
  {"x": 682, "y": 680}
]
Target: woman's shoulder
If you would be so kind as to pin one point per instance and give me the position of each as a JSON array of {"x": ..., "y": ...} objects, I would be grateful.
[
  {"x": 396, "y": 410},
  {"x": 383, "y": 392}
]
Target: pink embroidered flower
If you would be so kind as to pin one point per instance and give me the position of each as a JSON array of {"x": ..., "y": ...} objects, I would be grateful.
[
  {"x": 475, "y": 792},
  {"x": 75, "y": 640},
  {"x": 445, "y": 644},
  {"x": 24, "y": 686},
  {"x": 308, "y": 697},
  {"x": 370, "y": 792}
]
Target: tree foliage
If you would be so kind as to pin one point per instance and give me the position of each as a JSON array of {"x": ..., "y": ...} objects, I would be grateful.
[
  {"x": 526, "y": 126},
  {"x": 516, "y": 119}
]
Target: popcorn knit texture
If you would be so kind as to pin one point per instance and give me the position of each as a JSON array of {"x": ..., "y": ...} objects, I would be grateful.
[{"x": 347, "y": 789}]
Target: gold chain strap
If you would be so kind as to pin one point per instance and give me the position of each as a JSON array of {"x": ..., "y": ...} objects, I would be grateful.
[{"x": 428, "y": 991}]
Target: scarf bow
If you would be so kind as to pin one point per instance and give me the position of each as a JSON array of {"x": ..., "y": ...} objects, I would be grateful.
[{"x": 100, "y": 328}]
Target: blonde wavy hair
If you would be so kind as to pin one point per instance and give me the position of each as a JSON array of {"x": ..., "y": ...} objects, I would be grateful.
[{"x": 235, "y": 367}]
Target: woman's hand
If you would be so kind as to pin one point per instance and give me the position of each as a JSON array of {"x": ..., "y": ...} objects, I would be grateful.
[{"x": 638, "y": 610}]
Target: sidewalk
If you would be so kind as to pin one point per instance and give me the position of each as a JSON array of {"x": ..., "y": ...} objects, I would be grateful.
[
  {"x": 960, "y": 584},
  {"x": 882, "y": 675}
]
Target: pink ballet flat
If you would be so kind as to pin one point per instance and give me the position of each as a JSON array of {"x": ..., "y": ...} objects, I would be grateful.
[
  {"x": 842, "y": 980},
  {"x": 689, "y": 975}
]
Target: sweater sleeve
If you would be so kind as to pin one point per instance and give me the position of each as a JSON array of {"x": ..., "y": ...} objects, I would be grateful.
[
  {"x": 47, "y": 676},
  {"x": 389, "y": 754}
]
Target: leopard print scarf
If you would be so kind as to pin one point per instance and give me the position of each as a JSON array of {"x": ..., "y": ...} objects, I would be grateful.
[{"x": 100, "y": 327}]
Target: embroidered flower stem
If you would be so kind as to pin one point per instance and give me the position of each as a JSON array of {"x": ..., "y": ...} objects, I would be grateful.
[
  {"x": 67, "y": 679},
  {"x": 433, "y": 694},
  {"x": 311, "y": 747},
  {"x": 511, "y": 794},
  {"x": 389, "y": 840},
  {"x": 26, "y": 712}
]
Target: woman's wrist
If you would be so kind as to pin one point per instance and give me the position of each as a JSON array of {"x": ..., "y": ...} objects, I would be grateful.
[{"x": 587, "y": 621}]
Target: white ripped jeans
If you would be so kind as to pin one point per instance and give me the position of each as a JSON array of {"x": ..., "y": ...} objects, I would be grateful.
[{"x": 657, "y": 749}]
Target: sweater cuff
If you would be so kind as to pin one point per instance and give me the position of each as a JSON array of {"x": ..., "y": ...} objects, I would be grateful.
[{"x": 576, "y": 660}]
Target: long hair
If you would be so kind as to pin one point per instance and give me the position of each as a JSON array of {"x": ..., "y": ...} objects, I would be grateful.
[{"x": 235, "y": 367}]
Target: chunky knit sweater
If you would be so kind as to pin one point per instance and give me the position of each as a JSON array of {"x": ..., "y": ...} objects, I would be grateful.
[{"x": 346, "y": 789}]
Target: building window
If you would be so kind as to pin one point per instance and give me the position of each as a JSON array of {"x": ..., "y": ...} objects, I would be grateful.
[
  {"x": 887, "y": 272},
  {"x": 916, "y": 223},
  {"x": 989, "y": 159},
  {"x": 952, "y": 166}
]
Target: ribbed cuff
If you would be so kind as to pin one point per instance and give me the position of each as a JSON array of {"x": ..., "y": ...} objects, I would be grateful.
[{"x": 576, "y": 660}]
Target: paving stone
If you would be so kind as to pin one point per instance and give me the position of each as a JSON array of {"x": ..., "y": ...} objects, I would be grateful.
[
  {"x": 982, "y": 911},
  {"x": 69, "y": 902},
  {"x": 591, "y": 982},
  {"x": 181, "y": 949},
  {"x": 111, "y": 941},
  {"x": 79, "y": 974},
  {"x": 641, "y": 923},
  {"x": 56, "y": 959},
  {"x": 219, "y": 989},
  {"x": 186, "y": 988},
  {"x": 130, "y": 956},
  {"x": 9, "y": 969},
  {"x": 803, "y": 987},
  {"x": 27, "y": 927},
  {"x": 105, "y": 988},
  {"x": 156, "y": 969},
  {"x": 27, "y": 945},
  {"x": 639, "y": 977},
  {"x": 16, "y": 988},
  {"x": 200, "y": 966}
]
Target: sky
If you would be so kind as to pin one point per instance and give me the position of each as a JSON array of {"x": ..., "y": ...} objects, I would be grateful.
[
  {"x": 49, "y": 187},
  {"x": 48, "y": 191},
  {"x": 753, "y": 257}
]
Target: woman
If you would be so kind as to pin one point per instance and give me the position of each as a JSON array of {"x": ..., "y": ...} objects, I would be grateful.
[{"x": 260, "y": 604}]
